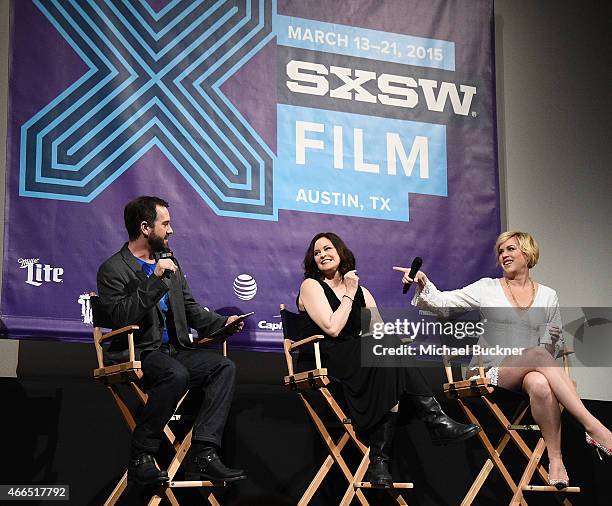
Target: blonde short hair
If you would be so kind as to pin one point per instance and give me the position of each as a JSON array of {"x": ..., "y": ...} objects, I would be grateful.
[{"x": 527, "y": 244}]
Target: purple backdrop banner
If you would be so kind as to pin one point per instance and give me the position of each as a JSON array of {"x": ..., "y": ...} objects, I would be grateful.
[{"x": 262, "y": 123}]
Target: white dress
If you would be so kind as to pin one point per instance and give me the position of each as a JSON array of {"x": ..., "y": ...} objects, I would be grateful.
[{"x": 504, "y": 324}]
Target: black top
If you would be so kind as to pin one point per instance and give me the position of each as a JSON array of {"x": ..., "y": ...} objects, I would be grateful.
[
  {"x": 370, "y": 392},
  {"x": 353, "y": 327}
]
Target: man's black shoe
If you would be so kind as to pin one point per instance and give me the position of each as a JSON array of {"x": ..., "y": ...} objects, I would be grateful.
[
  {"x": 143, "y": 471},
  {"x": 207, "y": 466}
]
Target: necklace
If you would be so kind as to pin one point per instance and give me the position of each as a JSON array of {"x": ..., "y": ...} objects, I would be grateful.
[{"x": 514, "y": 298}]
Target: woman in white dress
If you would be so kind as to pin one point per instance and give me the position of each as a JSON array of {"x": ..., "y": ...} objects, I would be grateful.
[{"x": 534, "y": 309}]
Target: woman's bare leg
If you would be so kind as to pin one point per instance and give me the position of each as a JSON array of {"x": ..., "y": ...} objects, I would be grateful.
[
  {"x": 546, "y": 413},
  {"x": 514, "y": 369}
]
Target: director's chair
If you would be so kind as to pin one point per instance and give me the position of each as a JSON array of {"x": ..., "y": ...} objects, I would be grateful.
[
  {"x": 130, "y": 374},
  {"x": 479, "y": 387},
  {"x": 317, "y": 380}
]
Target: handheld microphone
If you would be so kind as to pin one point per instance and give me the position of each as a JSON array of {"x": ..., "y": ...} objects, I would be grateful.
[
  {"x": 166, "y": 253},
  {"x": 414, "y": 268}
]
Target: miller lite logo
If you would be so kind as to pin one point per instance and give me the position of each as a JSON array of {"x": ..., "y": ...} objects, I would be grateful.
[{"x": 38, "y": 273}]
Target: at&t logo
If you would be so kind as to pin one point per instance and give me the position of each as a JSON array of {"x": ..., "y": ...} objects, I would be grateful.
[
  {"x": 37, "y": 273},
  {"x": 245, "y": 287}
]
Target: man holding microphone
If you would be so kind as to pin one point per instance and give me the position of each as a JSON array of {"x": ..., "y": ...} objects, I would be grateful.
[{"x": 142, "y": 284}]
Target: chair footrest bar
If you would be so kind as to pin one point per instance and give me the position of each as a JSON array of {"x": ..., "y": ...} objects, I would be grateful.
[
  {"x": 475, "y": 387},
  {"x": 188, "y": 484},
  {"x": 523, "y": 427},
  {"x": 367, "y": 484},
  {"x": 548, "y": 488}
]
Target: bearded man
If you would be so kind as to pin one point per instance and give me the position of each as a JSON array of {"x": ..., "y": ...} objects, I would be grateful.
[{"x": 138, "y": 286}]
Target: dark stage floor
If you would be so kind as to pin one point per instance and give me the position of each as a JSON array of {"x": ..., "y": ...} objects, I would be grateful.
[{"x": 59, "y": 427}]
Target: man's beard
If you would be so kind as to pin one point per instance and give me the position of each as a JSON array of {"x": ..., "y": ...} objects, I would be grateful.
[{"x": 156, "y": 243}]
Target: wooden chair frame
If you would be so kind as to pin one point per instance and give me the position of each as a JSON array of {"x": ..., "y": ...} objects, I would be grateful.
[
  {"x": 130, "y": 373},
  {"x": 318, "y": 380},
  {"x": 480, "y": 387}
]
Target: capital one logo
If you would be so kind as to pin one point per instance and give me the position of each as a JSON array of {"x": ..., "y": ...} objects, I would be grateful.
[{"x": 38, "y": 273}]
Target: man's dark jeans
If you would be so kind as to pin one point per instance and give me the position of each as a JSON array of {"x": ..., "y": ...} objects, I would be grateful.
[{"x": 168, "y": 374}]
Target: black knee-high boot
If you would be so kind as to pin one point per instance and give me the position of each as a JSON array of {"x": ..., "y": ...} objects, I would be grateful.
[
  {"x": 442, "y": 429},
  {"x": 381, "y": 440}
]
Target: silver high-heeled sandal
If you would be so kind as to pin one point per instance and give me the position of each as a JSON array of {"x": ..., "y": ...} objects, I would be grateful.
[
  {"x": 557, "y": 483},
  {"x": 599, "y": 448}
]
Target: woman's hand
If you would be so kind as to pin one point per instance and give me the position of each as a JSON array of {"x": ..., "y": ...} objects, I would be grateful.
[
  {"x": 555, "y": 333},
  {"x": 351, "y": 281},
  {"x": 419, "y": 277}
]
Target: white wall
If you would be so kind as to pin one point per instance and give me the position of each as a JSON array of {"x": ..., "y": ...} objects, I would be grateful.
[{"x": 555, "y": 133}]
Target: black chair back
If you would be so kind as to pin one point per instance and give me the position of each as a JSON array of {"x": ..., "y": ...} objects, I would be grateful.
[
  {"x": 293, "y": 325},
  {"x": 294, "y": 329},
  {"x": 99, "y": 315}
]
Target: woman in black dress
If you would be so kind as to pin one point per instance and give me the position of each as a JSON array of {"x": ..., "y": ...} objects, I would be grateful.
[{"x": 331, "y": 300}]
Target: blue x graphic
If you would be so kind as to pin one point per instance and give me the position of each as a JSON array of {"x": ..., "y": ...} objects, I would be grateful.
[{"x": 153, "y": 79}]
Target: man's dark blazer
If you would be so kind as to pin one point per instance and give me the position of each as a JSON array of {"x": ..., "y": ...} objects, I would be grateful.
[{"x": 129, "y": 297}]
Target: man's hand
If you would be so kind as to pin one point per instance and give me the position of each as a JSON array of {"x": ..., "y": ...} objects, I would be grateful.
[
  {"x": 165, "y": 264},
  {"x": 232, "y": 329}
]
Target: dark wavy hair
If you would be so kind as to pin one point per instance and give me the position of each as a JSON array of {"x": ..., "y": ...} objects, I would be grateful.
[{"x": 347, "y": 259}]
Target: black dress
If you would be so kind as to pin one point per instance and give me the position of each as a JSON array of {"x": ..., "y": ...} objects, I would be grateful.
[{"x": 370, "y": 392}]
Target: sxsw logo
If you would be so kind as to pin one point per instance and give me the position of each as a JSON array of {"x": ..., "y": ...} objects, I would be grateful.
[
  {"x": 38, "y": 273},
  {"x": 395, "y": 90}
]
